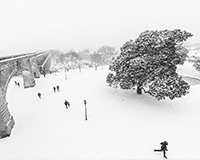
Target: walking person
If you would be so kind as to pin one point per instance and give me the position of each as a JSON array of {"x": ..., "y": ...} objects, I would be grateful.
[
  {"x": 67, "y": 104},
  {"x": 39, "y": 95},
  {"x": 54, "y": 89},
  {"x": 163, "y": 148},
  {"x": 58, "y": 88}
]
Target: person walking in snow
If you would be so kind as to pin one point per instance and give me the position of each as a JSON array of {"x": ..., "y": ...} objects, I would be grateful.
[
  {"x": 67, "y": 104},
  {"x": 18, "y": 84},
  {"x": 39, "y": 95},
  {"x": 54, "y": 89},
  {"x": 58, "y": 87},
  {"x": 163, "y": 148}
]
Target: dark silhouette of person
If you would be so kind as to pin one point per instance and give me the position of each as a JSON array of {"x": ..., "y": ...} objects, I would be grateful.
[
  {"x": 54, "y": 89},
  {"x": 17, "y": 83},
  {"x": 163, "y": 148},
  {"x": 67, "y": 104},
  {"x": 58, "y": 88},
  {"x": 39, "y": 95},
  {"x": 44, "y": 73}
]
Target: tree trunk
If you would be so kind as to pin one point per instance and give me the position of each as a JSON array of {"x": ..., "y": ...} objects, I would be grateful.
[
  {"x": 65, "y": 74},
  {"x": 79, "y": 69},
  {"x": 139, "y": 90}
]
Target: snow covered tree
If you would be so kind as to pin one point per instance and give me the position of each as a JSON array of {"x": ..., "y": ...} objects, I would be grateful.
[
  {"x": 183, "y": 52},
  {"x": 149, "y": 64},
  {"x": 96, "y": 58}
]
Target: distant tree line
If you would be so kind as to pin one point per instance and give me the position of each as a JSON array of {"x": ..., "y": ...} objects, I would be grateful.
[{"x": 86, "y": 58}]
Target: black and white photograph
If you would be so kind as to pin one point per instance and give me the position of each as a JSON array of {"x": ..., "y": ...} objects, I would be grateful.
[{"x": 99, "y": 79}]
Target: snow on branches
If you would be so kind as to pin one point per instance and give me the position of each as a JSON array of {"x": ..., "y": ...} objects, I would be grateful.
[{"x": 150, "y": 62}]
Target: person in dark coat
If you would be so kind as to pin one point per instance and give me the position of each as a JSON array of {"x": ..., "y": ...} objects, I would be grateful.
[
  {"x": 39, "y": 95},
  {"x": 163, "y": 148},
  {"x": 67, "y": 104},
  {"x": 58, "y": 87},
  {"x": 18, "y": 84},
  {"x": 44, "y": 73},
  {"x": 54, "y": 89}
]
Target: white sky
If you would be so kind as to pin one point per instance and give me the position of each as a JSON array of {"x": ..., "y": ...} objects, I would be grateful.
[{"x": 80, "y": 24}]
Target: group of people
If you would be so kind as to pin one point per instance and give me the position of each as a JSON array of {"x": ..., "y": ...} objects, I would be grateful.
[
  {"x": 164, "y": 144},
  {"x": 67, "y": 104},
  {"x": 56, "y": 88},
  {"x": 17, "y": 84}
]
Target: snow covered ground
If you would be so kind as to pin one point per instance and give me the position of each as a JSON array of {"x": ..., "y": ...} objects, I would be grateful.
[{"x": 120, "y": 125}]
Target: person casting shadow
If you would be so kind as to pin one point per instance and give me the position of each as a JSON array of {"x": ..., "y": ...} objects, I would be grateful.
[{"x": 163, "y": 148}]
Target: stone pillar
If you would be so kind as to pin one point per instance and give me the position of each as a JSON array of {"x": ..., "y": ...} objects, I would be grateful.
[
  {"x": 35, "y": 67},
  {"x": 28, "y": 79},
  {"x": 27, "y": 74},
  {"x": 6, "y": 120}
]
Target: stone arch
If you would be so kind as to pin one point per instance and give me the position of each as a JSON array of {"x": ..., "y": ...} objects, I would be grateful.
[
  {"x": 6, "y": 120},
  {"x": 8, "y": 70},
  {"x": 9, "y": 79},
  {"x": 9, "y": 66}
]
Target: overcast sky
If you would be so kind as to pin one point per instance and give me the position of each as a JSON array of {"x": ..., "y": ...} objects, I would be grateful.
[{"x": 79, "y": 24}]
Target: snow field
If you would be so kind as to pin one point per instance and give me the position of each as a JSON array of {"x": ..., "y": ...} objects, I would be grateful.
[{"x": 121, "y": 124}]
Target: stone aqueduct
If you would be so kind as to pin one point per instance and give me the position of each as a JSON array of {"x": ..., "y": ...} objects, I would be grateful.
[{"x": 25, "y": 65}]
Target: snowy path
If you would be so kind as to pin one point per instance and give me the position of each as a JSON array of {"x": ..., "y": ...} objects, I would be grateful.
[{"x": 121, "y": 124}]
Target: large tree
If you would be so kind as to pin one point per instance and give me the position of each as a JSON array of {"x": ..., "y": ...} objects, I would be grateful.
[{"x": 149, "y": 64}]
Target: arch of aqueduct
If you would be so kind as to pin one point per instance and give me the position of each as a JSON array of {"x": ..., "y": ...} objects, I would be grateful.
[{"x": 25, "y": 65}]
